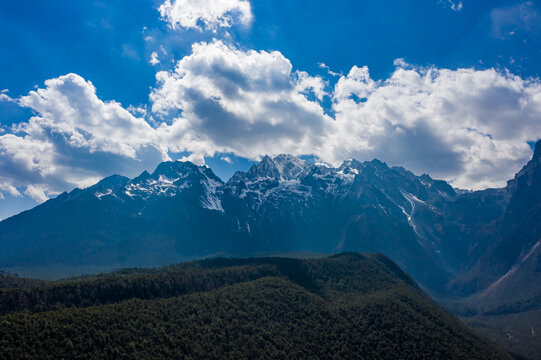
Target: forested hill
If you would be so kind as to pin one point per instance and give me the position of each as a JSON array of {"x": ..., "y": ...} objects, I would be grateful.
[{"x": 346, "y": 306}]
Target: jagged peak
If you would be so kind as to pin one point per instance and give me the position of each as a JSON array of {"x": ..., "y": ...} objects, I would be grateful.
[
  {"x": 168, "y": 168},
  {"x": 266, "y": 168},
  {"x": 352, "y": 163},
  {"x": 378, "y": 163},
  {"x": 180, "y": 169},
  {"x": 291, "y": 167},
  {"x": 142, "y": 177},
  {"x": 288, "y": 158}
]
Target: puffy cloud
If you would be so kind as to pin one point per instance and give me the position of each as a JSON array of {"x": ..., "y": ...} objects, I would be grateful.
[
  {"x": 212, "y": 13},
  {"x": 467, "y": 126},
  {"x": 69, "y": 107},
  {"x": 74, "y": 139},
  {"x": 246, "y": 102}
]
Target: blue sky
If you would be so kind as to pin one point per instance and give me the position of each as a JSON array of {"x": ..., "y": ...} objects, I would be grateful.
[{"x": 440, "y": 86}]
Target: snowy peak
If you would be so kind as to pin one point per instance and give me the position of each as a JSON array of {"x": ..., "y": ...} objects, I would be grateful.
[
  {"x": 174, "y": 170},
  {"x": 179, "y": 173},
  {"x": 282, "y": 167},
  {"x": 291, "y": 167},
  {"x": 266, "y": 168},
  {"x": 170, "y": 179},
  {"x": 351, "y": 164},
  {"x": 282, "y": 178}
]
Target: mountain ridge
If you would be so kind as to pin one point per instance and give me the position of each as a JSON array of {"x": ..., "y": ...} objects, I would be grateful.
[
  {"x": 480, "y": 247},
  {"x": 280, "y": 204}
]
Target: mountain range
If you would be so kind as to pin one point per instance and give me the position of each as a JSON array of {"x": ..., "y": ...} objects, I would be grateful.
[
  {"x": 483, "y": 246},
  {"x": 449, "y": 240}
]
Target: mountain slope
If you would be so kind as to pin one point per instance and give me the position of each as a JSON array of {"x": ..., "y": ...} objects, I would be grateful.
[
  {"x": 509, "y": 268},
  {"x": 346, "y": 306},
  {"x": 452, "y": 242},
  {"x": 181, "y": 211},
  {"x": 120, "y": 221}
]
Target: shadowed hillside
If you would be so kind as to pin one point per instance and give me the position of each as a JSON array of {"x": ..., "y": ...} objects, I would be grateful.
[{"x": 345, "y": 306}]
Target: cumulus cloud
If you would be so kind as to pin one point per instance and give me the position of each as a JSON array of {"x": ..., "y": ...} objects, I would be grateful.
[
  {"x": 69, "y": 107},
  {"x": 246, "y": 102},
  {"x": 74, "y": 139},
  {"x": 189, "y": 14},
  {"x": 467, "y": 126}
]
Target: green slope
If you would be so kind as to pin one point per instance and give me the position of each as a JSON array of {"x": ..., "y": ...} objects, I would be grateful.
[{"x": 348, "y": 306}]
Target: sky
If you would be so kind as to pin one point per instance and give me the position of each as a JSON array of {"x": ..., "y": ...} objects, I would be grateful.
[{"x": 94, "y": 88}]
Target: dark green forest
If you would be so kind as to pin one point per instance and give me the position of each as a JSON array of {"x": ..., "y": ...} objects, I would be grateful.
[{"x": 348, "y": 306}]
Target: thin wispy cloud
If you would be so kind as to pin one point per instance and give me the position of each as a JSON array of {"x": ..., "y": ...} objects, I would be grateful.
[{"x": 452, "y": 4}]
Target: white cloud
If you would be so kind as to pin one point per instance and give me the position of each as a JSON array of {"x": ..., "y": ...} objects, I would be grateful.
[
  {"x": 154, "y": 58},
  {"x": 467, "y": 126},
  {"x": 227, "y": 159},
  {"x": 453, "y": 4},
  {"x": 246, "y": 102},
  {"x": 69, "y": 107},
  {"x": 9, "y": 189},
  {"x": 36, "y": 193},
  {"x": 73, "y": 140},
  {"x": 212, "y": 13},
  {"x": 328, "y": 69},
  {"x": 5, "y": 97},
  {"x": 311, "y": 84}
]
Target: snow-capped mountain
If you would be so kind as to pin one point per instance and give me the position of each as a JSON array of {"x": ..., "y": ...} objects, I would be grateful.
[
  {"x": 170, "y": 179},
  {"x": 280, "y": 204}
]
